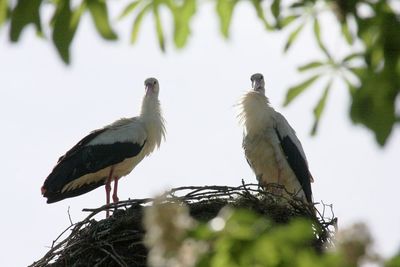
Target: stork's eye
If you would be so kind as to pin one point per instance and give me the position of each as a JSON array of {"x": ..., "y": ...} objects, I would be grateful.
[{"x": 155, "y": 82}]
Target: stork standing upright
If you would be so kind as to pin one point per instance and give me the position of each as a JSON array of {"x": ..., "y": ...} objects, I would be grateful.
[
  {"x": 271, "y": 146},
  {"x": 107, "y": 154}
]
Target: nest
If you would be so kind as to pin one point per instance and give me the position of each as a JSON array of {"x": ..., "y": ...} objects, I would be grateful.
[{"x": 118, "y": 240}]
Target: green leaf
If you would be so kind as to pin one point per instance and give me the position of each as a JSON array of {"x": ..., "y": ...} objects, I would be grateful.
[
  {"x": 202, "y": 231},
  {"x": 292, "y": 37},
  {"x": 360, "y": 71},
  {"x": 129, "y": 8},
  {"x": 99, "y": 13},
  {"x": 299, "y": 4},
  {"x": 225, "y": 11},
  {"x": 295, "y": 91},
  {"x": 62, "y": 34},
  {"x": 317, "y": 33},
  {"x": 26, "y": 12},
  {"x": 377, "y": 55},
  {"x": 287, "y": 20},
  {"x": 319, "y": 108},
  {"x": 398, "y": 67},
  {"x": 3, "y": 11},
  {"x": 138, "y": 21},
  {"x": 393, "y": 262},
  {"x": 311, "y": 65},
  {"x": 276, "y": 8},
  {"x": 182, "y": 19},
  {"x": 77, "y": 14},
  {"x": 65, "y": 23},
  {"x": 374, "y": 108},
  {"x": 352, "y": 56},
  {"x": 159, "y": 29},
  {"x": 260, "y": 14},
  {"x": 347, "y": 34},
  {"x": 243, "y": 225}
]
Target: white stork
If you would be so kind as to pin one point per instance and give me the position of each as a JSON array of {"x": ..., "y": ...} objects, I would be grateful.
[
  {"x": 107, "y": 154},
  {"x": 271, "y": 146}
]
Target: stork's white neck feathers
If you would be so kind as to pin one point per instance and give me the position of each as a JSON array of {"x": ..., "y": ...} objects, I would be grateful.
[
  {"x": 255, "y": 112},
  {"x": 151, "y": 116}
]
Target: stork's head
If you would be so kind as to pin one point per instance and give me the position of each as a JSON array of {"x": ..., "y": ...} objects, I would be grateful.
[
  {"x": 152, "y": 86},
  {"x": 258, "y": 83}
]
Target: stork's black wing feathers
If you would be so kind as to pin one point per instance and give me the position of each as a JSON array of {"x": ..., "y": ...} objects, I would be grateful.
[
  {"x": 81, "y": 143},
  {"x": 298, "y": 164},
  {"x": 84, "y": 159}
]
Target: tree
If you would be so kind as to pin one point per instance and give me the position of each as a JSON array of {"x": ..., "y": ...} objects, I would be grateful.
[{"x": 371, "y": 72}]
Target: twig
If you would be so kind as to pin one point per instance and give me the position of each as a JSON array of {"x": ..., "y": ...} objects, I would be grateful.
[
  {"x": 114, "y": 257},
  {"x": 69, "y": 217}
]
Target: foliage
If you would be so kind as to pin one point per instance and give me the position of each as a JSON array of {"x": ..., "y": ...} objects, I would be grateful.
[
  {"x": 393, "y": 262},
  {"x": 250, "y": 240},
  {"x": 241, "y": 238},
  {"x": 371, "y": 70}
]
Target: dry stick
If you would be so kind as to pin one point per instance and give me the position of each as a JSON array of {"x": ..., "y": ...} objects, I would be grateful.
[
  {"x": 114, "y": 257},
  {"x": 62, "y": 233},
  {"x": 119, "y": 204},
  {"x": 117, "y": 255},
  {"x": 101, "y": 262},
  {"x": 69, "y": 217}
]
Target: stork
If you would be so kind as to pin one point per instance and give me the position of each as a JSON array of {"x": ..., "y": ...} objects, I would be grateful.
[
  {"x": 271, "y": 146},
  {"x": 108, "y": 153}
]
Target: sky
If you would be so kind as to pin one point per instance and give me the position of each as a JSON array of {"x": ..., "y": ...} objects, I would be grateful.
[{"x": 46, "y": 107}]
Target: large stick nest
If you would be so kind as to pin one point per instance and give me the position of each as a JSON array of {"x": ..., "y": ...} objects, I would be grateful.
[{"x": 118, "y": 240}]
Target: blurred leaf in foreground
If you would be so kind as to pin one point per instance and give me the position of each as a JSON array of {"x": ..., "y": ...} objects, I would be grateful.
[
  {"x": 65, "y": 24},
  {"x": 225, "y": 11},
  {"x": 26, "y": 12},
  {"x": 99, "y": 12},
  {"x": 296, "y": 90}
]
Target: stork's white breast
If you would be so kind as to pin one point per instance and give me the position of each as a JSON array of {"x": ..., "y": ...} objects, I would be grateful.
[{"x": 269, "y": 162}]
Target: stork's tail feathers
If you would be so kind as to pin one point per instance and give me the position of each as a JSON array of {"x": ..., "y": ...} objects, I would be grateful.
[{"x": 55, "y": 196}]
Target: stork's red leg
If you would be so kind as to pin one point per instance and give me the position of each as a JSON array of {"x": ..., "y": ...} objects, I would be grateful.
[
  {"x": 108, "y": 190},
  {"x": 115, "y": 192}
]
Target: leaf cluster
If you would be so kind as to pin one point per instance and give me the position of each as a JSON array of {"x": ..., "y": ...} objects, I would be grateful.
[
  {"x": 67, "y": 16},
  {"x": 371, "y": 70},
  {"x": 250, "y": 240},
  {"x": 371, "y": 73}
]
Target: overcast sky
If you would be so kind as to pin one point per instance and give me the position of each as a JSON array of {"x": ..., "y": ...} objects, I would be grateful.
[{"x": 46, "y": 107}]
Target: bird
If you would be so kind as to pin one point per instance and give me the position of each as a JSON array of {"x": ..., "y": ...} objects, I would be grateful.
[
  {"x": 271, "y": 146},
  {"x": 108, "y": 153}
]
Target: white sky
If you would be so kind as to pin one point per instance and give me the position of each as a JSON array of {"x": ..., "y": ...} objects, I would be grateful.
[{"x": 46, "y": 107}]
